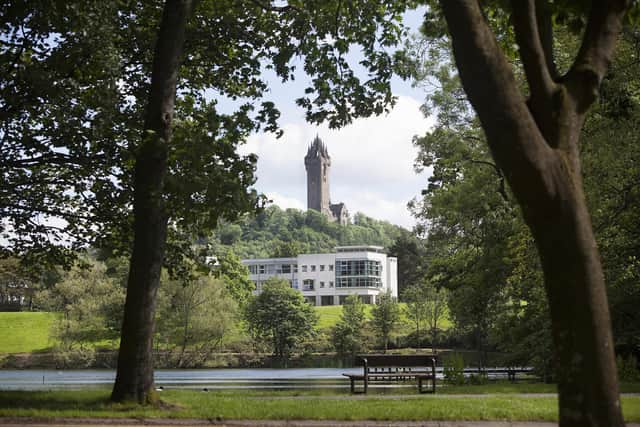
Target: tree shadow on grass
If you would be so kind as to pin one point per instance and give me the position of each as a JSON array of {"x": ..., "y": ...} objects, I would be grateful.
[{"x": 77, "y": 401}]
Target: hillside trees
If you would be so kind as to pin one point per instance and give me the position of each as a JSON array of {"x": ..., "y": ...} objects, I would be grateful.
[
  {"x": 534, "y": 138},
  {"x": 108, "y": 118},
  {"x": 275, "y": 232}
]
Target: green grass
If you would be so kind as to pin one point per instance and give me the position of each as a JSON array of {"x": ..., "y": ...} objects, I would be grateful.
[
  {"x": 330, "y": 314},
  {"x": 287, "y": 406},
  {"x": 24, "y": 332}
]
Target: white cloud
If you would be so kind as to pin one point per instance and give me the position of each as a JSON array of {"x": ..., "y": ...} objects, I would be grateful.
[
  {"x": 285, "y": 202},
  {"x": 371, "y": 163}
]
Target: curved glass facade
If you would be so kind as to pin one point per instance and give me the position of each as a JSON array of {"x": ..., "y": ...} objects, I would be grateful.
[{"x": 358, "y": 273}]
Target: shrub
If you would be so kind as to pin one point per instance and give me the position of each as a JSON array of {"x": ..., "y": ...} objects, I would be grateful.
[
  {"x": 77, "y": 358},
  {"x": 454, "y": 369},
  {"x": 628, "y": 368}
]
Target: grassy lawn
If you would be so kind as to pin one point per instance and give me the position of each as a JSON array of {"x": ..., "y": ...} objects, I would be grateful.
[
  {"x": 330, "y": 314},
  {"x": 290, "y": 406},
  {"x": 24, "y": 332}
]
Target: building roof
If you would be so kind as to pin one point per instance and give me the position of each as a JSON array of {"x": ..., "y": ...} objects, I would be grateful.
[
  {"x": 269, "y": 260},
  {"x": 362, "y": 248}
]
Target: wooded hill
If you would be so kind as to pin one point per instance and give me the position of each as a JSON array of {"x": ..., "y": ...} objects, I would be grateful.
[{"x": 282, "y": 233}]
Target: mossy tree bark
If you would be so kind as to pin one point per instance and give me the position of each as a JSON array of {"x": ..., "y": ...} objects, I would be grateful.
[
  {"x": 134, "y": 377},
  {"x": 535, "y": 142}
]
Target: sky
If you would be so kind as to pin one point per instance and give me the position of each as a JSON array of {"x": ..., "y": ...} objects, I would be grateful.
[{"x": 371, "y": 159}]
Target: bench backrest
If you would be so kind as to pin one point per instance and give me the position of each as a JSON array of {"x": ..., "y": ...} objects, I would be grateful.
[{"x": 394, "y": 360}]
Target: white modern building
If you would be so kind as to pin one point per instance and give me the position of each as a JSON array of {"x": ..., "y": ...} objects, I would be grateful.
[{"x": 327, "y": 279}]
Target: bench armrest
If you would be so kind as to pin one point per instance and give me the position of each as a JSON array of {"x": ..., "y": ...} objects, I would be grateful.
[{"x": 365, "y": 367}]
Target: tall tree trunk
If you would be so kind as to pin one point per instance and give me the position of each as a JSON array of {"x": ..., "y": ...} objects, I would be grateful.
[
  {"x": 535, "y": 143},
  {"x": 583, "y": 344},
  {"x": 134, "y": 376}
]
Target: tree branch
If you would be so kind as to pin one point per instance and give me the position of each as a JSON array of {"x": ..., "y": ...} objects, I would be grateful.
[
  {"x": 516, "y": 142},
  {"x": 533, "y": 57},
  {"x": 501, "y": 187},
  {"x": 545, "y": 30},
  {"x": 596, "y": 51}
]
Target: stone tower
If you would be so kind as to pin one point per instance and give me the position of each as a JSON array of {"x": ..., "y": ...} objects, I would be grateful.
[{"x": 317, "y": 163}]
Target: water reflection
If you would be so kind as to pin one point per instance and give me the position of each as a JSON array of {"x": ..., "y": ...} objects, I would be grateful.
[{"x": 182, "y": 378}]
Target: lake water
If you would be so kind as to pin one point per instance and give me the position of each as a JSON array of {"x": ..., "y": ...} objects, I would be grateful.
[
  {"x": 212, "y": 379},
  {"x": 181, "y": 378}
]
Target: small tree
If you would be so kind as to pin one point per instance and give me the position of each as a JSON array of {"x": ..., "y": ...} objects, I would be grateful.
[
  {"x": 435, "y": 309},
  {"x": 235, "y": 277},
  {"x": 90, "y": 306},
  {"x": 416, "y": 307},
  {"x": 348, "y": 334},
  {"x": 281, "y": 317},
  {"x": 194, "y": 317},
  {"x": 386, "y": 315}
]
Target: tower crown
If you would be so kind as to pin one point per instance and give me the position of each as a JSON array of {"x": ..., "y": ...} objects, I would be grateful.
[{"x": 317, "y": 150}]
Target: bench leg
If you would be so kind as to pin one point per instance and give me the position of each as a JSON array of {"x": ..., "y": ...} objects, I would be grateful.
[
  {"x": 353, "y": 386},
  {"x": 366, "y": 384}
]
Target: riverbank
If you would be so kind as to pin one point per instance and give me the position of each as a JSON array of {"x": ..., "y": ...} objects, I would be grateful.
[{"x": 107, "y": 359}]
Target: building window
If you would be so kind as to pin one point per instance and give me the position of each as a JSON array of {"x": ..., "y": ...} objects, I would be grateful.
[
  {"x": 358, "y": 282},
  {"x": 330, "y": 267},
  {"x": 295, "y": 268},
  {"x": 359, "y": 267},
  {"x": 322, "y": 284},
  {"x": 253, "y": 269},
  {"x": 286, "y": 268},
  {"x": 261, "y": 268},
  {"x": 313, "y": 268},
  {"x": 307, "y": 285},
  {"x": 331, "y": 284},
  {"x": 304, "y": 268},
  {"x": 321, "y": 267}
]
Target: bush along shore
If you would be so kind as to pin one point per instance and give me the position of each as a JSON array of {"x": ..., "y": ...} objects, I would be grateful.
[{"x": 106, "y": 359}]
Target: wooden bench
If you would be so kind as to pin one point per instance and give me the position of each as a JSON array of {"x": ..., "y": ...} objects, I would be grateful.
[{"x": 393, "y": 367}]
